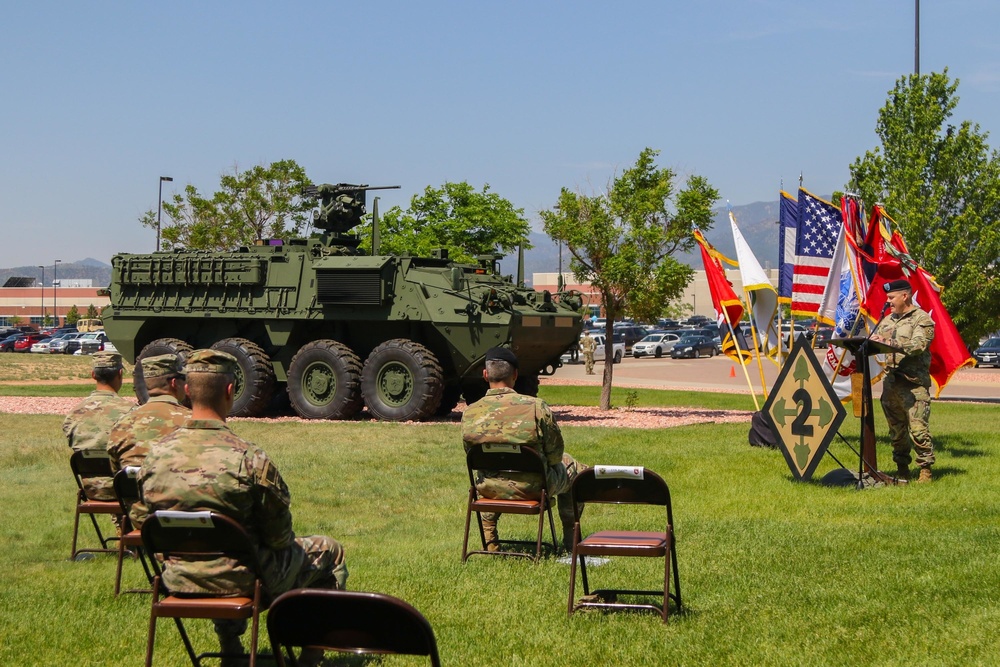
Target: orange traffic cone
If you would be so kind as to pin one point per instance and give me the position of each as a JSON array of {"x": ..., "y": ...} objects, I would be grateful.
[{"x": 732, "y": 372}]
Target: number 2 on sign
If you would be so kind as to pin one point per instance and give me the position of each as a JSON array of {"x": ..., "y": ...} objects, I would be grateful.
[{"x": 804, "y": 401}]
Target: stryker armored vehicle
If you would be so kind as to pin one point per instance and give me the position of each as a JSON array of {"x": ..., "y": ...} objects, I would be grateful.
[{"x": 337, "y": 329}]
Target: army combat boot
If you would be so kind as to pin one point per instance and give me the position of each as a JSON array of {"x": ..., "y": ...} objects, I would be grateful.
[
  {"x": 490, "y": 533},
  {"x": 902, "y": 472},
  {"x": 925, "y": 476},
  {"x": 230, "y": 646}
]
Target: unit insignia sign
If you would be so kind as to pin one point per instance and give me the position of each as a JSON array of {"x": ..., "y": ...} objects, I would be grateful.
[{"x": 804, "y": 410}]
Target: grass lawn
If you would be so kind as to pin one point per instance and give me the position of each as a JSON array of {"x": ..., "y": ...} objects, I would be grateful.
[{"x": 773, "y": 572}]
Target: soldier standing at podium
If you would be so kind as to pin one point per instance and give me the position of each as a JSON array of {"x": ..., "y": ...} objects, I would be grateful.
[{"x": 906, "y": 398}]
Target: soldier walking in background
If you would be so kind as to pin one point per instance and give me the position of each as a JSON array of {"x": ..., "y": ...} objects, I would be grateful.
[
  {"x": 589, "y": 345},
  {"x": 203, "y": 465},
  {"x": 88, "y": 425},
  {"x": 906, "y": 398},
  {"x": 505, "y": 417},
  {"x": 132, "y": 435}
]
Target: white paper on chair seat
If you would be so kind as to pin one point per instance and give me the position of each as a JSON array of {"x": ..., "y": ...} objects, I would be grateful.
[
  {"x": 628, "y": 472},
  {"x": 178, "y": 519},
  {"x": 497, "y": 447}
]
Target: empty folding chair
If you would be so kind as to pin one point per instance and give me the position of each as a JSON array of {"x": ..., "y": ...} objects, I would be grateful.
[
  {"x": 499, "y": 458},
  {"x": 348, "y": 622},
  {"x": 200, "y": 535},
  {"x": 88, "y": 464},
  {"x": 624, "y": 485}
]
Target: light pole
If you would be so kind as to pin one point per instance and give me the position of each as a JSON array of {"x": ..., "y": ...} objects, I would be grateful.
[
  {"x": 159, "y": 209},
  {"x": 55, "y": 286},
  {"x": 43, "y": 296}
]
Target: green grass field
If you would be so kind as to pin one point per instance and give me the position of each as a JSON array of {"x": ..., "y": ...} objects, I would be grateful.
[{"x": 773, "y": 571}]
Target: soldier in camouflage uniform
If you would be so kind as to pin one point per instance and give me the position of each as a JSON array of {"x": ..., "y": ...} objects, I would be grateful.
[
  {"x": 203, "y": 465},
  {"x": 87, "y": 426},
  {"x": 906, "y": 398},
  {"x": 589, "y": 346},
  {"x": 132, "y": 435},
  {"x": 506, "y": 417}
]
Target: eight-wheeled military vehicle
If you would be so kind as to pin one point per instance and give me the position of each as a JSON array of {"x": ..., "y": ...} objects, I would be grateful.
[{"x": 338, "y": 329}]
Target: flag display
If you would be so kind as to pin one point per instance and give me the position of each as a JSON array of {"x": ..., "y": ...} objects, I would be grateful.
[
  {"x": 727, "y": 303},
  {"x": 893, "y": 261},
  {"x": 819, "y": 223},
  {"x": 763, "y": 296},
  {"x": 788, "y": 219}
]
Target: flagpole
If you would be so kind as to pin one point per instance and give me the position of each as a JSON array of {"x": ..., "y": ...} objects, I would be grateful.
[
  {"x": 753, "y": 394},
  {"x": 756, "y": 348}
]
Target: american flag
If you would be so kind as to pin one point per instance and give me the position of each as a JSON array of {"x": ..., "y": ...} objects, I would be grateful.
[{"x": 819, "y": 226}]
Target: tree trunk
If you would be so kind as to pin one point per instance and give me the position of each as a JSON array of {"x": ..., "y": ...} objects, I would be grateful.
[{"x": 609, "y": 357}]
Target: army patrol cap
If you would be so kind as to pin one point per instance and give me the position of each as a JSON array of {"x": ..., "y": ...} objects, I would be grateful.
[
  {"x": 897, "y": 286},
  {"x": 210, "y": 361},
  {"x": 501, "y": 354},
  {"x": 107, "y": 360},
  {"x": 161, "y": 365}
]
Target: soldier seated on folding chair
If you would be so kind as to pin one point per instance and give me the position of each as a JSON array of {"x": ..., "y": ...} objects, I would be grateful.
[
  {"x": 504, "y": 416},
  {"x": 203, "y": 465},
  {"x": 88, "y": 425}
]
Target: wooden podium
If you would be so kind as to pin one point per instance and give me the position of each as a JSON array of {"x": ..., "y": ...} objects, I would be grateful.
[{"x": 862, "y": 348}]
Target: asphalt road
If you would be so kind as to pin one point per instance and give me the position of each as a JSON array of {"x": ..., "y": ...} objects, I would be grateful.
[{"x": 722, "y": 374}]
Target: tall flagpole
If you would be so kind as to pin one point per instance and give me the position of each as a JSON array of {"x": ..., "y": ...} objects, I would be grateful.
[{"x": 756, "y": 348}]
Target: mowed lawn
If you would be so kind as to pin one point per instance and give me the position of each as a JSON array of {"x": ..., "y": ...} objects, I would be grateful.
[{"x": 773, "y": 571}]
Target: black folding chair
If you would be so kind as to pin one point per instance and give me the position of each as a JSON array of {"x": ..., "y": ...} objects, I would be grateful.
[
  {"x": 127, "y": 490},
  {"x": 85, "y": 465},
  {"x": 348, "y": 622},
  {"x": 200, "y": 535},
  {"x": 499, "y": 458},
  {"x": 623, "y": 485}
]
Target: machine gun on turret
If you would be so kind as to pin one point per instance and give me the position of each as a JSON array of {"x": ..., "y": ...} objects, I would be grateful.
[{"x": 341, "y": 206}]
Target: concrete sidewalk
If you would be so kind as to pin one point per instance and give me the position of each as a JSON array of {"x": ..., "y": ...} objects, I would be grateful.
[{"x": 722, "y": 374}]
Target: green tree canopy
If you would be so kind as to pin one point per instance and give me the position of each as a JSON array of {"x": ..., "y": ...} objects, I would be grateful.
[
  {"x": 455, "y": 217},
  {"x": 92, "y": 312},
  {"x": 72, "y": 315},
  {"x": 941, "y": 184},
  {"x": 623, "y": 241},
  {"x": 259, "y": 203}
]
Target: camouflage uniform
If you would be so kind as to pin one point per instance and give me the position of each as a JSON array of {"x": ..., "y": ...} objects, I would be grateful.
[
  {"x": 132, "y": 435},
  {"x": 205, "y": 466},
  {"x": 87, "y": 427},
  {"x": 906, "y": 397},
  {"x": 589, "y": 346},
  {"x": 504, "y": 416}
]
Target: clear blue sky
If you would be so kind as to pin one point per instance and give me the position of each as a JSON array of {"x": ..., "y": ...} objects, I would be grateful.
[{"x": 98, "y": 100}]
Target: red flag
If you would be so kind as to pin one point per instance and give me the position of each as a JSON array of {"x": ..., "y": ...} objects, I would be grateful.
[
  {"x": 724, "y": 298},
  {"x": 948, "y": 352}
]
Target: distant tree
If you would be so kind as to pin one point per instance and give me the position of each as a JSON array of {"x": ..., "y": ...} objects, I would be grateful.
[
  {"x": 92, "y": 312},
  {"x": 72, "y": 315},
  {"x": 622, "y": 241},
  {"x": 259, "y": 203},
  {"x": 46, "y": 318},
  {"x": 16, "y": 321},
  {"x": 941, "y": 184},
  {"x": 455, "y": 217}
]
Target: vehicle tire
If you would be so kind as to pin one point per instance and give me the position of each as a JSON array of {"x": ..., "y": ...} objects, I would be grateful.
[
  {"x": 324, "y": 381},
  {"x": 618, "y": 357},
  {"x": 527, "y": 385},
  {"x": 450, "y": 397},
  {"x": 711, "y": 353},
  {"x": 254, "y": 384},
  {"x": 156, "y": 348},
  {"x": 658, "y": 353},
  {"x": 402, "y": 381}
]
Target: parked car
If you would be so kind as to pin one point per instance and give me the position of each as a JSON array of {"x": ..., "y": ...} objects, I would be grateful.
[
  {"x": 7, "y": 344},
  {"x": 822, "y": 337},
  {"x": 655, "y": 344},
  {"x": 693, "y": 347},
  {"x": 92, "y": 341},
  {"x": 988, "y": 354},
  {"x": 631, "y": 333},
  {"x": 42, "y": 346},
  {"x": 59, "y": 345},
  {"x": 617, "y": 346},
  {"x": 799, "y": 331},
  {"x": 24, "y": 343}
]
